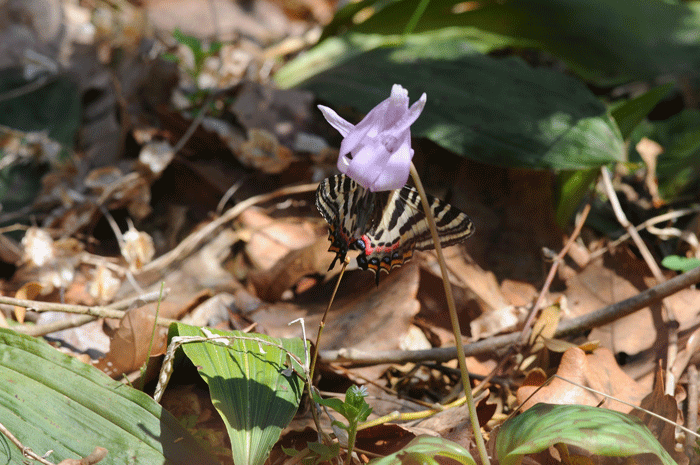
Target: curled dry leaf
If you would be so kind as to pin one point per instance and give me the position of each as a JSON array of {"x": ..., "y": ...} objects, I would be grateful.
[
  {"x": 598, "y": 371},
  {"x": 650, "y": 150},
  {"x": 50, "y": 263},
  {"x": 264, "y": 152},
  {"x": 271, "y": 239},
  {"x": 95, "y": 457},
  {"x": 546, "y": 325},
  {"x": 129, "y": 345},
  {"x": 23, "y": 146},
  {"x": 38, "y": 247},
  {"x": 104, "y": 285},
  {"x": 138, "y": 248},
  {"x": 27, "y": 292},
  {"x": 665, "y": 405},
  {"x": 156, "y": 155},
  {"x": 270, "y": 284}
]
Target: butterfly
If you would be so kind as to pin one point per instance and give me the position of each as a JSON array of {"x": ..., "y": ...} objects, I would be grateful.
[{"x": 386, "y": 227}]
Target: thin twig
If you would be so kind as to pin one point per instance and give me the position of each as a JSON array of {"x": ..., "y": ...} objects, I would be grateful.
[
  {"x": 692, "y": 403},
  {"x": 191, "y": 242},
  {"x": 26, "y": 451},
  {"x": 454, "y": 319},
  {"x": 89, "y": 312},
  {"x": 594, "y": 319},
  {"x": 646, "y": 224},
  {"x": 622, "y": 219},
  {"x": 670, "y": 319},
  {"x": 629, "y": 404},
  {"x": 552, "y": 272}
]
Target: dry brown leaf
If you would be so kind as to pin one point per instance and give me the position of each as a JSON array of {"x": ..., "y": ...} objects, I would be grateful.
[
  {"x": 384, "y": 439},
  {"x": 650, "y": 150},
  {"x": 104, "y": 285},
  {"x": 598, "y": 371},
  {"x": 271, "y": 283},
  {"x": 666, "y": 406},
  {"x": 264, "y": 152},
  {"x": 272, "y": 239},
  {"x": 129, "y": 345},
  {"x": 518, "y": 293},
  {"x": 156, "y": 155},
  {"x": 597, "y": 286},
  {"x": 27, "y": 292},
  {"x": 38, "y": 247},
  {"x": 545, "y": 326},
  {"x": 138, "y": 249}
]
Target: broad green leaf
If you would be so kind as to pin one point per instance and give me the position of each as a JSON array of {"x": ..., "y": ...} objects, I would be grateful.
[
  {"x": 678, "y": 167},
  {"x": 51, "y": 401},
  {"x": 424, "y": 447},
  {"x": 630, "y": 113},
  {"x": 251, "y": 385},
  {"x": 494, "y": 111},
  {"x": 600, "y": 431},
  {"x": 659, "y": 36},
  {"x": 683, "y": 264}
]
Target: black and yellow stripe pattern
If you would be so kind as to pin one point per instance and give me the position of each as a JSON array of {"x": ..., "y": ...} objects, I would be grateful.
[{"x": 386, "y": 227}]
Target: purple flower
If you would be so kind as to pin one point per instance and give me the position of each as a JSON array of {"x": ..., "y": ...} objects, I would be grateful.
[{"x": 377, "y": 151}]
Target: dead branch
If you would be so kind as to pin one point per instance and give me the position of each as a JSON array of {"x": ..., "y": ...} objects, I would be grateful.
[{"x": 594, "y": 319}]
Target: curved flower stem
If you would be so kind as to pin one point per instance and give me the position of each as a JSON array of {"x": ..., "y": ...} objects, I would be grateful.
[
  {"x": 321, "y": 325},
  {"x": 454, "y": 320}
]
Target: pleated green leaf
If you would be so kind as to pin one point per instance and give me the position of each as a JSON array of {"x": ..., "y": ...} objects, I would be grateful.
[
  {"x": 51, "y": 401},
  {"x": 424, "y": 449},
  {"x": 600, "y": 431},
  {"x": 253, "y": 385},
  {"x": 602, "y": 41}
]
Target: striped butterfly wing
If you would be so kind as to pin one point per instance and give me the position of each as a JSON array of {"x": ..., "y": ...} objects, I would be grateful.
[{"x": 386, "y": 227}]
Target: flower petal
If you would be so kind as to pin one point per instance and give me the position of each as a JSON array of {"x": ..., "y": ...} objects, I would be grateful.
[
  {"x": 394, "y": 174},
  {"x": 341, "y": 125},
  {"x": 376, "y": 152},
  {"x": 364, "y": 167}
]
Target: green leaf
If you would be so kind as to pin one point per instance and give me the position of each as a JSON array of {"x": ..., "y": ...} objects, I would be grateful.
[
  {"x": 572, "y": 187},
  {"x": 336, "y": 404},
  {"x": 322, "y": 452},
  {"x": 630, "y": 113},
  {"x": 51, "y": 401},
  {"x": 600, "y": 431},
  {"x": 53, "y": 107},
  {"x": 250, "y": 385},
  {"x": 658, "y": 37},
  {"x": 190, "y": 42},
  {"x": 682, "y": 264},
  {"x": 356, "y": 407},
  {"x": 427, "y": 447},
  {"x": 496, "y": 111}
]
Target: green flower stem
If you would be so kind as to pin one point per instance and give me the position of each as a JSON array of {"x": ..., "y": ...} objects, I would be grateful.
[
  {"x": 321, "y": 325},
  {"x": 352, "y": 434},
  {"x": 454, "y": 320}
]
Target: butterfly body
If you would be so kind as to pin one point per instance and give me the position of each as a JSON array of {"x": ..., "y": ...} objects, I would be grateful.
[{"x": 386, "y": 227}]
